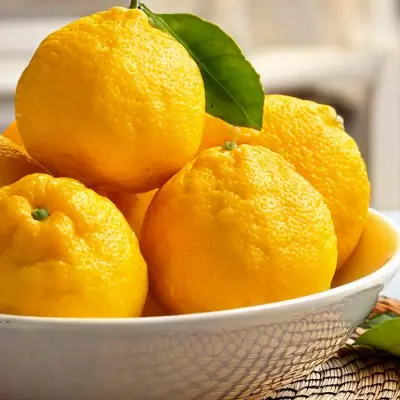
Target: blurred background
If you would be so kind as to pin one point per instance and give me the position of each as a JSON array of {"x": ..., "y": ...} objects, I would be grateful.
[{"x": 345, "y": 53}]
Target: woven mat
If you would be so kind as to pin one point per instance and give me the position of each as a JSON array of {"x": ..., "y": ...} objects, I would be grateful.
[{"x": 354, "y": 373}]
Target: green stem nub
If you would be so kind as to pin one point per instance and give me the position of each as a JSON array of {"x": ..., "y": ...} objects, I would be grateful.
[
  {"x": 134, "y": 4},
  {"x": 40, "y": 214},
  {"x": 230, "y": 145}
]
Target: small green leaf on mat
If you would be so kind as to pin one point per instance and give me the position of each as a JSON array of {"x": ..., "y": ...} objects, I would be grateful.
[
  {"x": 385, "y": 336},
  {"x": 233, "y": 89},
  {"x": 372, "y": 322}
]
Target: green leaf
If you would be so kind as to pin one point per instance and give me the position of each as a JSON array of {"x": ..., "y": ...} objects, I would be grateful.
[
  {"x": 233, "y": 89},
  {"x": 385, "y": 336},
  {"x": 371, "y": 322}
]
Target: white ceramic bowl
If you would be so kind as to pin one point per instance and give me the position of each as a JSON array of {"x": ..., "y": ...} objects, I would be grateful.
[{"x": 233, "y": 354}]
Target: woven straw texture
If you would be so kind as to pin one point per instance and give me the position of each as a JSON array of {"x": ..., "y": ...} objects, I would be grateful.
[{"x": 354, "y": 373}]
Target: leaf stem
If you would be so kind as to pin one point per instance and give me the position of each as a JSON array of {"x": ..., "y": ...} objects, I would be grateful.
[
  {"x": 230, "y": 145},
  {"x": 40, "y": 214},
  {"x": 134, "y": 4}
]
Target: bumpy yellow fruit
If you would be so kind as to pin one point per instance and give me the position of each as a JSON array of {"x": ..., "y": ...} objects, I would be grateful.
[
  {"x": 377, "y": 245},
  {"x": 12, "y": 133},
  {"x": 237, "y": 228},
  {"x": 132, "y": 206},
  {"x": 67, "y": 252},
  {"x": 15, "y": 163},
  {"x": 311, "y": 137},
  {"x": 112, "y": 101}
]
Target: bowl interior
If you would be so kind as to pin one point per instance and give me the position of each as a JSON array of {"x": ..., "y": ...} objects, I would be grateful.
[{"x": 378, "y": 244}]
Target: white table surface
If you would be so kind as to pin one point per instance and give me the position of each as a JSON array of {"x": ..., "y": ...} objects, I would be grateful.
[{"x": 393, "y": 289}]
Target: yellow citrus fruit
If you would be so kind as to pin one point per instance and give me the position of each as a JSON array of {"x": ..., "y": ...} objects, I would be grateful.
[
  {"x": 377, "y": 245},
  {"x": 67, "y": 252},
  {"x": 12, "y": 133},
  {"x": 132, "y": 206},
  {"x": 113, "y": 102},
  {"x": 15, "y": 163},
  {"x": 311, "y": 136},
  {"x": 237, "y": 228}
]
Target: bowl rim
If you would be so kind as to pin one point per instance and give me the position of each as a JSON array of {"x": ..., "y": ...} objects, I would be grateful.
[{"x": 377, "y": 278}]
